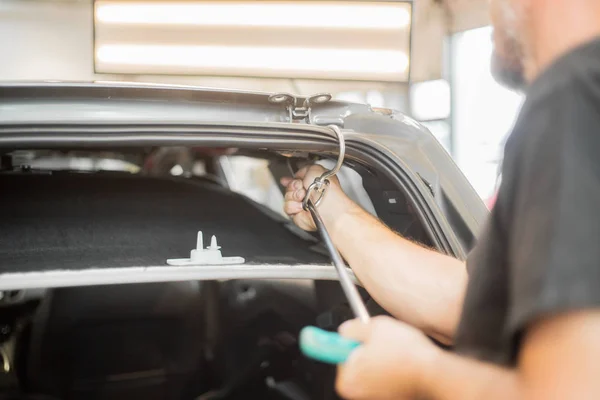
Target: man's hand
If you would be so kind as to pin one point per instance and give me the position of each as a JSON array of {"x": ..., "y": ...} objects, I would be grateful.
[
  {"x": 390, "y": 364},
  {"x": 416, "y": 285},
  {"x": 559, "y": 359},
  {"x": 334, "y": 204}
]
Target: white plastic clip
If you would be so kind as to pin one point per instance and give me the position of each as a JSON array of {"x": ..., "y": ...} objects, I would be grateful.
[{"x": 209, "y": 256}]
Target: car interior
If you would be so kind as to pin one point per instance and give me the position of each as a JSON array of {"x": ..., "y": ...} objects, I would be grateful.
[{"x": 78, "y": 209}]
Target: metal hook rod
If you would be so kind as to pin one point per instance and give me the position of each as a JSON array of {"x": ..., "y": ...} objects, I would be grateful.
[
  {"x": 340, "y": 161},
  {"x": 322, "y": 182},
  {"x": 356, "y": 303}
]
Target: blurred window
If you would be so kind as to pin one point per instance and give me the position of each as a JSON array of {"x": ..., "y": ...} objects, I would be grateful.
[
  {"x": 483, "y": 111},
  {"x": 430, "y": 105},
  {"x": 430, "y": 100},
  {"x": 252, "y": 177}
]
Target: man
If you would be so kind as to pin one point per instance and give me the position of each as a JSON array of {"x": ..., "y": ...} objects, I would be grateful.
[{"x": 524, "y": 312}]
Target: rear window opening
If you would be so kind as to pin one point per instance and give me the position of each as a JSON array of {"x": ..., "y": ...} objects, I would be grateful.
[
  {"x": 84, "y": 239},
  {"x": 82, "y": 209}
]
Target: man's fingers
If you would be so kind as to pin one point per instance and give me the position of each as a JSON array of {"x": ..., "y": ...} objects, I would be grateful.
[
  {"x": 348, "y": 382},
  {"x": 292, "y": 208},
  {"x": 300, "y": 220},
  {"x": 355, "y": 329},
  {"x": 302, "y": 172},
  {"x": 296, "y": 184},
  {"x": 297, "y": 195},
  {"x": 295, "y": 190},
  {"x": 285, "y": 181},
  {"x": 291, "y": 183}
]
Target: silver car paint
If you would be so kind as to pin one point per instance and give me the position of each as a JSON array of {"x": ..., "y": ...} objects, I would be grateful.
[
  {"x": 122, "y": 109},
  {"x": 65, "y": 103}
]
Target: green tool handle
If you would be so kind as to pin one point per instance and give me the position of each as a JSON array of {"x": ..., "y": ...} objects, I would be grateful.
[{"x": 325, "y": 346}]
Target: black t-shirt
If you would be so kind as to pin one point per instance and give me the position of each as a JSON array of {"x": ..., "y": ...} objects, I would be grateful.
[{"x": 539, "y": 253}]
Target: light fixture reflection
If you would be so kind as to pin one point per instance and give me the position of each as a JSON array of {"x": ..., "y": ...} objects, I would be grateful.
[
  {"x": 361, "y": 61},
  {"x": 307, "y": 14}
]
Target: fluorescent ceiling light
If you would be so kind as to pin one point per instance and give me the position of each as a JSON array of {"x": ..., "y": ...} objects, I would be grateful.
[
  {"x": 306, "y": 14},
  {"x": 361, "y": 61}
]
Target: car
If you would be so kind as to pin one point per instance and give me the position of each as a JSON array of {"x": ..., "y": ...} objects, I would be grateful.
[{"x": 102, "y": 183}]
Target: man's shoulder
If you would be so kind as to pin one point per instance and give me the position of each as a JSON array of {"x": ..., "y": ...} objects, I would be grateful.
[
  {"x": 578, "y": 71},
  {"x": 565, "y": 91}
]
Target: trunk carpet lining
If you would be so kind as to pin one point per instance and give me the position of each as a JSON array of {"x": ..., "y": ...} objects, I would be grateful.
[{"x": 79, "y": 221}]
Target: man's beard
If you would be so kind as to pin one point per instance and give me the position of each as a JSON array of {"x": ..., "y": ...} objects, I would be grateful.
[
  {"x": 508, "y": 57},
  {"x": 508, "y": 73}
]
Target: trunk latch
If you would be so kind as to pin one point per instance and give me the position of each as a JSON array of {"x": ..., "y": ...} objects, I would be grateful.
[{"x": 299, "y": 109}]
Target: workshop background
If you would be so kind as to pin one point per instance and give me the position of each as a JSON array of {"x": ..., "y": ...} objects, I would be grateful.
[{"x": 427, "y": 58}]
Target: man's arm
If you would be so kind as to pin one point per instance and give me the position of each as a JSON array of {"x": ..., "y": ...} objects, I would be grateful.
[
  {"x": 454, "y": 377},
  {"x": 417, "y": 285},
  {"x": 559, "y": 359}
]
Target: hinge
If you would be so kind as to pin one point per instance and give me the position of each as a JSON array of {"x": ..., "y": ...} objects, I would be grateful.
[{"x": 299, "y": 109}]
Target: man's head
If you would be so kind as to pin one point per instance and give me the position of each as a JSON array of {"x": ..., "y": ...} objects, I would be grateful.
[
  {"x": 529, "y": 35},
  {"x": 508, "y": 59}
]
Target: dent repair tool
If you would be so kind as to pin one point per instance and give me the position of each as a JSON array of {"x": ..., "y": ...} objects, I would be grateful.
[{"x": 316, "y": 343}]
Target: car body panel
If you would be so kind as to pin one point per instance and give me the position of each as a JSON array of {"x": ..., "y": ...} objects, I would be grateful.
[
  {"x": 161, "y": 273},
  {"x": 111, "y": 103},
  {"x": 93, "y": 103},
  {"x": 88, "y": 114}
]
